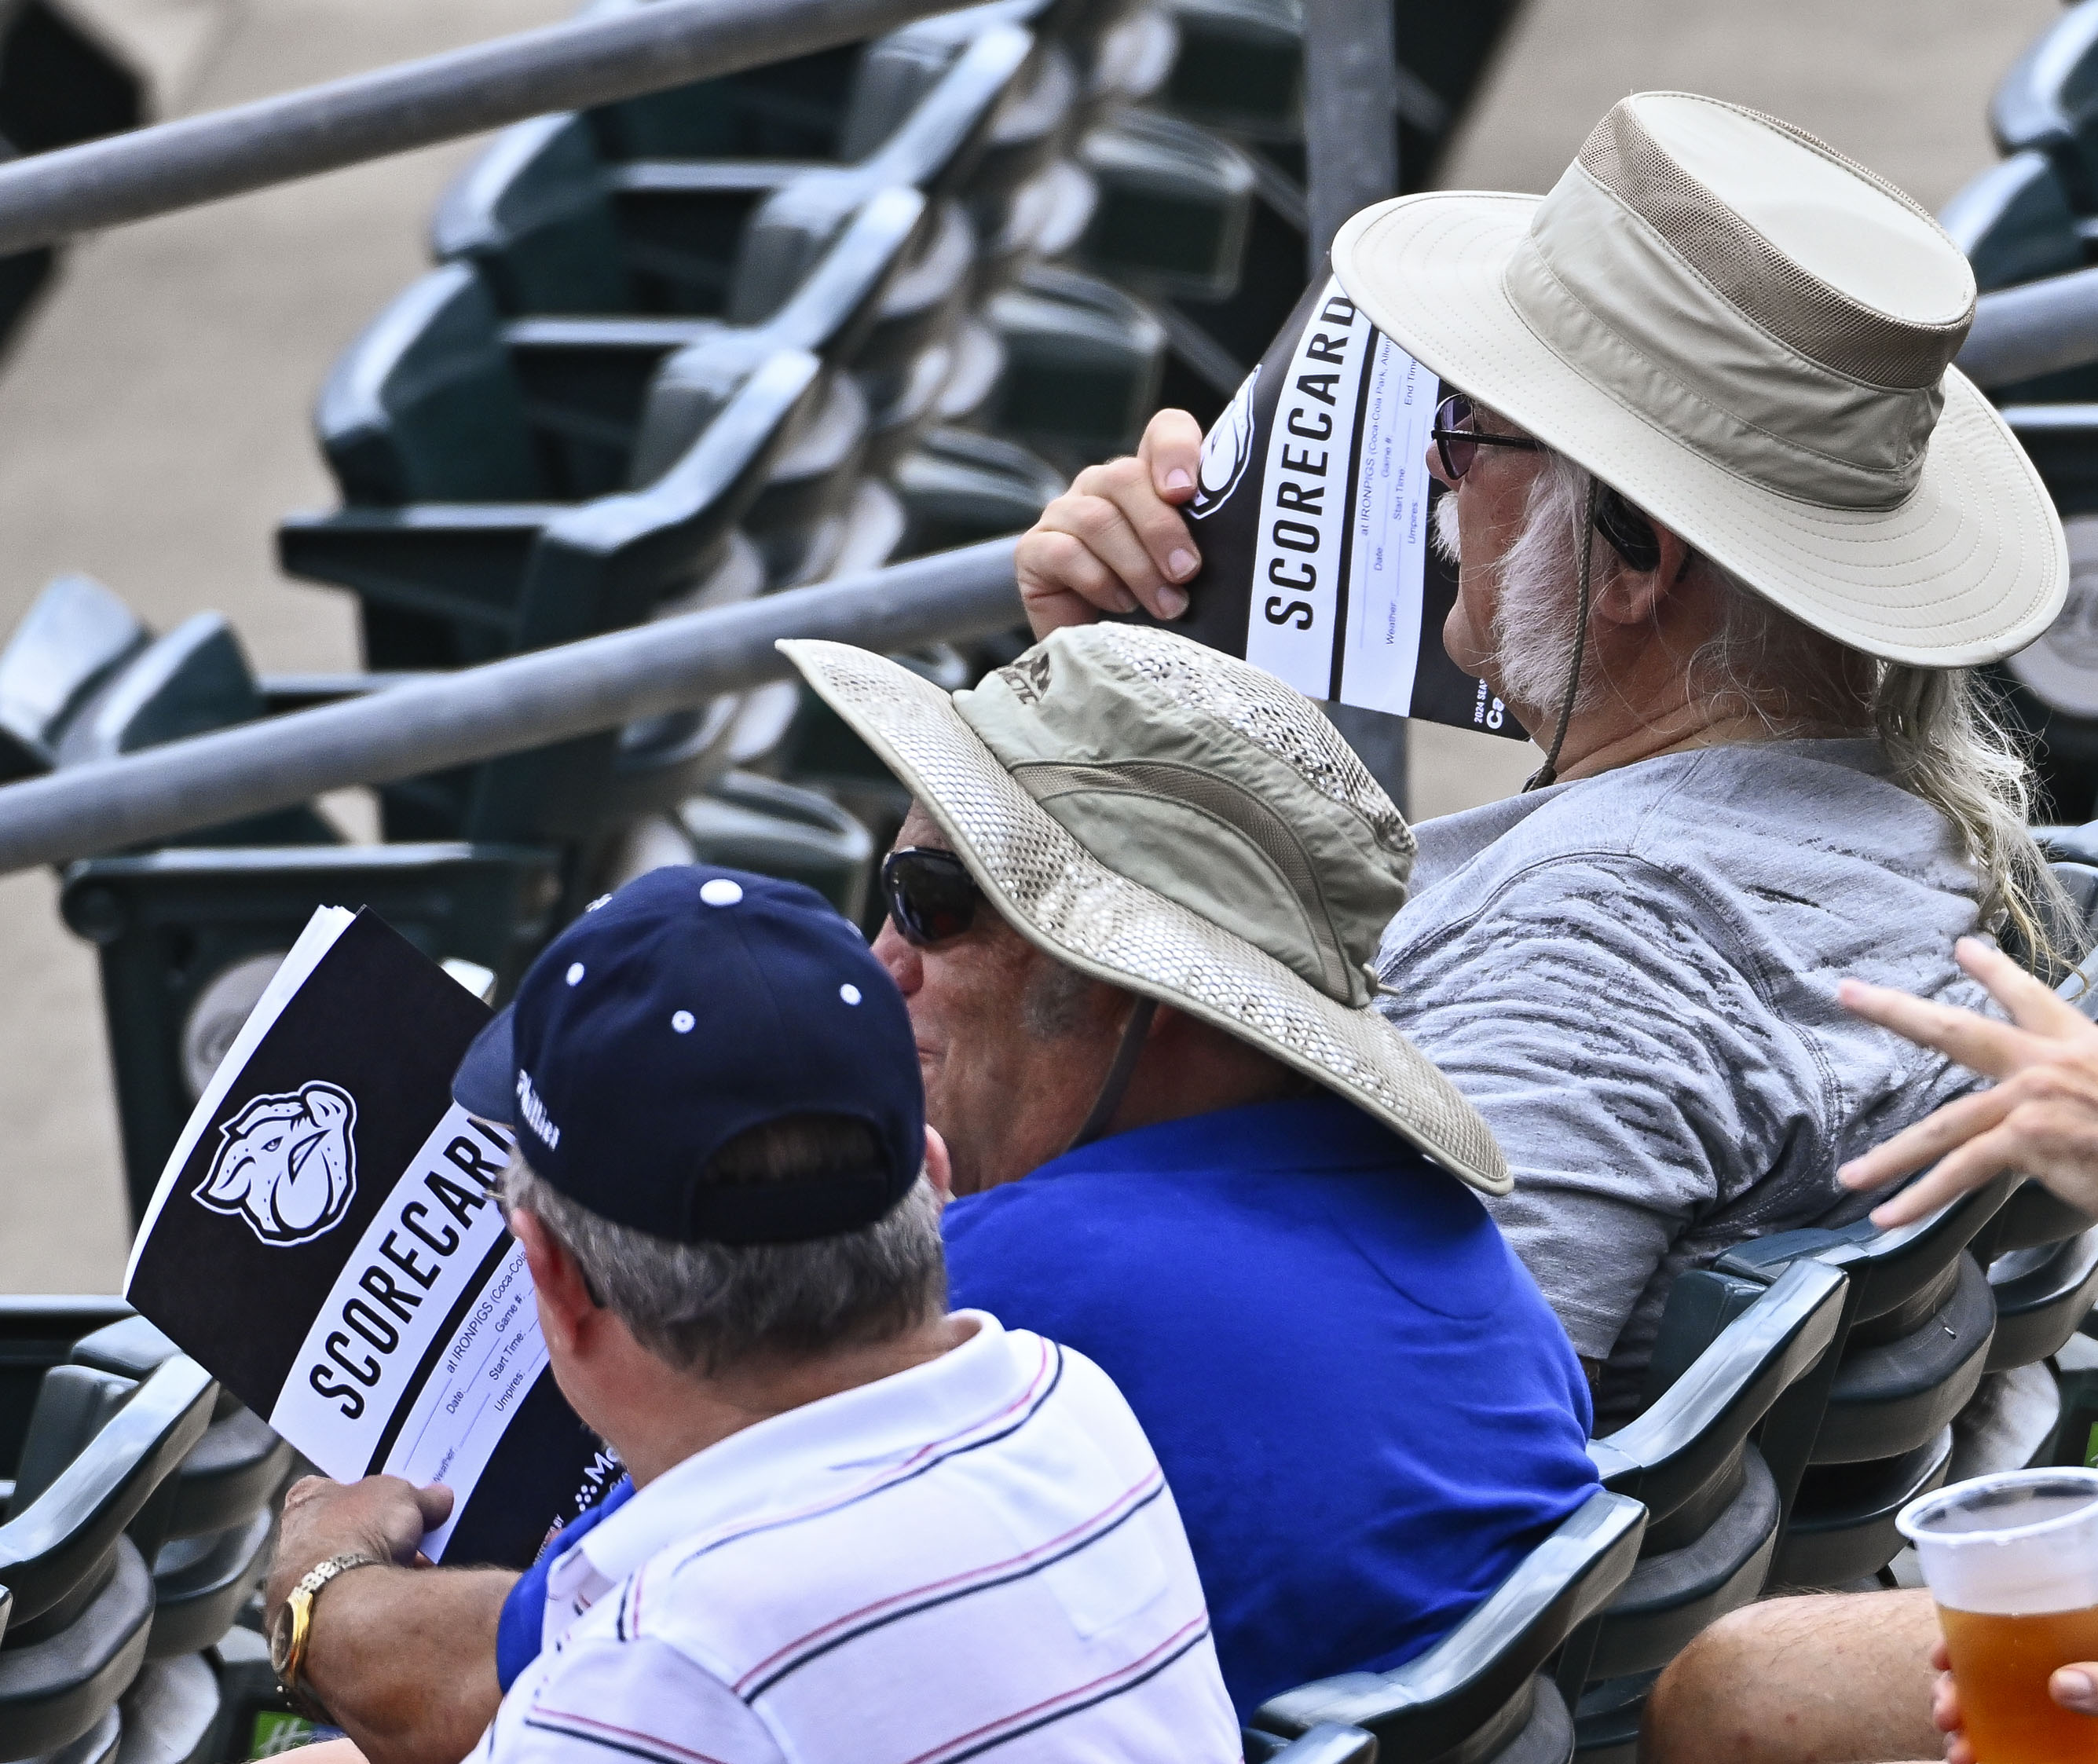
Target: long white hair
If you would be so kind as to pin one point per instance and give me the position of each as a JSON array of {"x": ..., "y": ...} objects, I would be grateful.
[{"x": 1940, "y": 729}]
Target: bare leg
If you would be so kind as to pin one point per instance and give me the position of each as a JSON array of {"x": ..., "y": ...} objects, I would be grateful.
[{"x": 1824, "y": 1678}]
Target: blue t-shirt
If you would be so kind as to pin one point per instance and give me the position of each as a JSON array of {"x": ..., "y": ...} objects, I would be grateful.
[{"x": 1365, "y": 1410}]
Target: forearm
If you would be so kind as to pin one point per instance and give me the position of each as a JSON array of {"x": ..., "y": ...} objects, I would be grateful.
[{"x": 405, "y": 1659}]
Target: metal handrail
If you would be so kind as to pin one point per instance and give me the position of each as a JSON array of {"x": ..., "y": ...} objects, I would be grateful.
[
  {"x": 526, "y": 701},
  {"x": 647, "y": 48},
  {"x": 2043, "y": 328}
]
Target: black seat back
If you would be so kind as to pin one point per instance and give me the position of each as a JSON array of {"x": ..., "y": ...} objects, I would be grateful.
[
  {"x": 74, "y": 635},
  {"x": 1464, "y": 1696},
  {"x": 533, "y": 214},
  {"x": 2048, "y": 100},
  {"x": 424, "y": 407}
]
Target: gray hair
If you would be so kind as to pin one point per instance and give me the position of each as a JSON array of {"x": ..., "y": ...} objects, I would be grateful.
[
  {"x": 1941, "y": 734},
  {"x": 706, "y": 1307}
]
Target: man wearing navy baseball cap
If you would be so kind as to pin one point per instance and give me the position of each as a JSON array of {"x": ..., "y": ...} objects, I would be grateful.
[{"x": 729, "y": 1200}]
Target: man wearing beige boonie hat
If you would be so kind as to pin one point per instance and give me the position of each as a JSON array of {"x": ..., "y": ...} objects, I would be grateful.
[
  {"x": 1132, "y": 913},
  {"x": 1731, "y": 529}
]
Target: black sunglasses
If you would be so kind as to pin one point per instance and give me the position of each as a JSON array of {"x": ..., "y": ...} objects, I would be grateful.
[
  {"x": 1458, "y": 444},
  {"x": 931, "y": 896}
]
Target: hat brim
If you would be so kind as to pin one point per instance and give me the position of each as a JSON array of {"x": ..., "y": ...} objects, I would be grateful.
[
  {"x": 486, "y": 1084},
  {"x": 1064, "y": 900},
  {"x": 1971, "y": 567}
]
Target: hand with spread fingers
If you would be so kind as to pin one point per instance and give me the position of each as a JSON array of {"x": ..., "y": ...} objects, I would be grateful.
[
  {"x": 2040, "y": 1116},
  {"x": 1115, "y": 539}
]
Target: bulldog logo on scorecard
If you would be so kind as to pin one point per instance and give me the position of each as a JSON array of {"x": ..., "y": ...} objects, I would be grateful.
[
  {"x": 287, "y": 1165},
  {"x": 1227, "y": 450}
]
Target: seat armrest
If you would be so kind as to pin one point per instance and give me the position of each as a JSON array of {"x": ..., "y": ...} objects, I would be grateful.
[
  {"x": 1673, "y": 1448},
  {"x": 1436, "y": 1699},
  {"x": 74, "y": 1523}
]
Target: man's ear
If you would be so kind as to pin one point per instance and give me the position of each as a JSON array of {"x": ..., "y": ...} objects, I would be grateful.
[
  {"x": 939, "y": 1164},
  {"x": 1626, "y": 596},
  {"x": 566, "y": 1308}
]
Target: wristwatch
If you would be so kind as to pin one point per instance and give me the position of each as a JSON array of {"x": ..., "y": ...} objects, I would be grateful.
[{"x": 293, "y": 1624}]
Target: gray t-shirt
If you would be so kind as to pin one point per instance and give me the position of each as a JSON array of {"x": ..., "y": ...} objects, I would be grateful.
[{"x": 1633, "y": 978}]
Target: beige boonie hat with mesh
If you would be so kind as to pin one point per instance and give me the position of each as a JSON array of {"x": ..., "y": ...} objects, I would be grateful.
[
  {"x": 1751, "y": 338},
  {"x": 1175, "y": 822}
]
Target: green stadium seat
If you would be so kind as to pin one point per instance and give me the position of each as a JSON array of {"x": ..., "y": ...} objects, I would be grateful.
[
  {"x": 957, "y": 488},
  {"x": 1240, "y": 68},
  {"x": 747, "y": 821},
  {"x": 476, "y": 558},
  {"x": 837, "y": 104},
  {"x": 73, "y": 1548},
  {"x": 2015, "y": 222},
  {"x": 1083, "y": 365},
  {"x": 194, "y": 679},
  {"x": 188, "y": 938},
  {"x": 583, "y": 381},
  {"x": 74, "y": 634},
  {"x": 1328, "y": 1743},
  {"x": 1918, "y": 1319},
  {"x": 1478, "y": 1696},
  {"x": 1174, "y": 205},
  {"x": 1729, "y": 1352},
  {"x": 556, "y": 230},
  {"x": 37, "y": 1331},
  {"x": 2047, "y": 102}
]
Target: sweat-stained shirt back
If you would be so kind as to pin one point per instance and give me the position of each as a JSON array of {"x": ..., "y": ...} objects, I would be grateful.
[{"x": 1633, "y": 978}]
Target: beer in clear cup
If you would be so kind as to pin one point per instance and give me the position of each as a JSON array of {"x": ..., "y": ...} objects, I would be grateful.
[{"x": 2011, "y": 1561}]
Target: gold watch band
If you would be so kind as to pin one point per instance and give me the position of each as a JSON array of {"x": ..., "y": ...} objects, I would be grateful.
[{"x": 299, "y": 1616}]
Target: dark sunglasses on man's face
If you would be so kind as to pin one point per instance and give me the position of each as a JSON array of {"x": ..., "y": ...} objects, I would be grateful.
[
  {"x": 931, "y": 896},
  {"x": 1458, "y": 443}
]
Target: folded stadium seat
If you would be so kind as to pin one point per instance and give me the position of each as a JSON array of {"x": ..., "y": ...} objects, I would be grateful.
[
  {"x": 1328, "y": 1743},
  {"x": 2015, "y": 222},
  {"x": 37, "y": 1331},
  {"x": 957, "y": 488},
  {"x": 1918, "y": 1318},
  {"x": 477, "y": 561},
  {"x": 221, "y": 1521},
  {"x": 80, "y": 1522},
  {"x": 2041, "y": 1256},
  {"x": 1239, "y": 69},
  {"x": 1084, "y": 364},
  {"x": 555, "y": 229},
  {"x": 1730, "y": 1352},
  {"x": 74, "y": 634},
  {"x": 188, "y": 939},
  {"x": 798, "y": 515},
  {"x": 2050, "y": 687},
  {"x": 1174, "y": 202},
  {"x": 1020, "y": 177},
  {"x": 747, "y": 821},
  {"x": 583, "y": 381},
  {"x": 1479, "y": 1696},
  {"x": 2048, "y": 102},
  {"x": 194, "y": 679}
]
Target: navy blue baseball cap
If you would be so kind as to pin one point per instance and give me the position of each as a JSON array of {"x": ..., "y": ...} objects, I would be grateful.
[{"x": 690, "y": 1007}]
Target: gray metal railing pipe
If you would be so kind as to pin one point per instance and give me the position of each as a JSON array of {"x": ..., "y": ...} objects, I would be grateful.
[
  {"x": 367, "y": 115},
  {"x": 2041, "y": 328},
  {"x": 527, "y": 701}
]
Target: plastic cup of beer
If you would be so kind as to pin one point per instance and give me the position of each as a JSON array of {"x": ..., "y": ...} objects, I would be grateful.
[{"x": 2011, "y": 1561}]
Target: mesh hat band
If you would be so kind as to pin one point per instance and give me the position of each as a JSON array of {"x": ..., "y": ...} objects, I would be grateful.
[
  {"x": 1616, "y": 303},
  {"x": 1823, "y": 323}
]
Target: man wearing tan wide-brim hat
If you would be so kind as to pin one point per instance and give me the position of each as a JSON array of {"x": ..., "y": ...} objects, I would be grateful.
[{"x": 1731, "y": 529}]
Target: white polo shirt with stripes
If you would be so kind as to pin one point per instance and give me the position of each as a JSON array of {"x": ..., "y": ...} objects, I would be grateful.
[{"x": 975, "y": 1557}]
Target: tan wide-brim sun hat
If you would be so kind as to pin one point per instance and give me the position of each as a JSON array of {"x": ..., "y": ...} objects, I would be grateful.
[
  {"x": 1181, "y": 824},
  {"x": 1751, "y": 338}
]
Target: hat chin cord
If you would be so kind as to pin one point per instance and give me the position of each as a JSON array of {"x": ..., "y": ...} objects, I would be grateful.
[
  {"x": 1548, "y": 772},
  {"x": 1124, "y": 1068}
]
